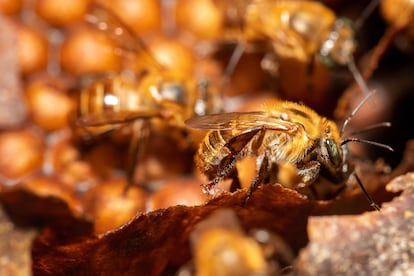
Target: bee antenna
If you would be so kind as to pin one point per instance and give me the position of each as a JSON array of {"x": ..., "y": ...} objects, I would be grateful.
[
  {"x": 371, "y": 127},
  {"x": 355, "y": 111},
  {"x": 351, "y": 62},
  {"x": 368, "y": 197},
  {"x": 365, "y": 14},
  {"x": 353, "y": 139},
  {"x": 358, "y": 76},
  {"x": 231, "y": 65}
]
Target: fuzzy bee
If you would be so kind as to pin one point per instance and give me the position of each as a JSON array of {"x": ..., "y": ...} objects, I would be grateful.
[
  {"x": 302, "y": 36},
  {"x": 282, "y": 132},
  {"x": 156, "y": 94}
]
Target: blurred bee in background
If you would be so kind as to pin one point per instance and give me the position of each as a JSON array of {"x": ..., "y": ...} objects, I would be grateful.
[
  {"x": 281, "y": 133},
  {"x": 153, "y": 96},
  {"x": 390, "y": 57},
  {"x": 304, "y": 37}
]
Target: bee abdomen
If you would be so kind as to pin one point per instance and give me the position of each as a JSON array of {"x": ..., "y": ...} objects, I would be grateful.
[{"x": 211, "y": 153}]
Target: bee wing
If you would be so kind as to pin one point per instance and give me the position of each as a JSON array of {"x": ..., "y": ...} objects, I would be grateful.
[
  {"x": 124, "y": 37},
  {"x": 240, "y": 121},
  {"x": 111, "y": 118}
]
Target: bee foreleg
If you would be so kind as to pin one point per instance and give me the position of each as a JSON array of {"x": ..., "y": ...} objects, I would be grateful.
[
  {"x": 226, "y": 168},
  {"x": 235, "y": 183},
  {"x": 309, "y": 172}
]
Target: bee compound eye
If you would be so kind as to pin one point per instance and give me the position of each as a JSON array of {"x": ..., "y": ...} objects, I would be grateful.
[{"x": 333, "y": 152}]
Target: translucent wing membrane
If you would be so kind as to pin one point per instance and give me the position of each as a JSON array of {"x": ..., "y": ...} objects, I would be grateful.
[
  {"x": 240, "y": 121},
  {"x": 125, "y": 39},
  {"x": 106, "y": 118}
]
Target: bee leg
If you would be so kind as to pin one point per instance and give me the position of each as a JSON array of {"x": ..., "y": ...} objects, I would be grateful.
[
  {"x": 226, "y": 169},
  {"x": 369, "y": 198},
  {"x": 231, "y": 66},
  {"x": 227, "y": 166},
  {"x": 235, "y": 183},
  {"x": 309, "y": 172},
  {"x": 141, "y": 129}
]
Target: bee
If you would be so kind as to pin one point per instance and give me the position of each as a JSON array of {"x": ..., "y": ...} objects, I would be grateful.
[
  {"x": 281, "y": 132},
  {"x": 297, "y": 36},
  {"x": 154, "y": 94},
  {"x": 116, "y": 99}
]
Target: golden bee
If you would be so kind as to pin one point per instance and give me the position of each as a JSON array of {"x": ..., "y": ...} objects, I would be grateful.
[
  {"x": 298, "y": 36},
  {"x": 281, "y": 132},
  {"x": 154, "y": 93},
  {"x": 116, "y": 99}
]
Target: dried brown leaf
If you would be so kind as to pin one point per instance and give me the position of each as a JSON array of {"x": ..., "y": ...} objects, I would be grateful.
[
  {"x": 28, "y": 207},
  {"x": 153, "y": 242},
  {"x": 159, "y": 241}
]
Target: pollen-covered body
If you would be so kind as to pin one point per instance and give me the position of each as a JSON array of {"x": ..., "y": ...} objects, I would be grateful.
[{"x": 280, "y": 132}]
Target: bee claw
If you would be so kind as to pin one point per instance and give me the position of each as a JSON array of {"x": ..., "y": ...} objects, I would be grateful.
[
  {"x": 246, "y": 199},
  {"x": 208, "y": 188},
  {"x": 375, "y": 206}
]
